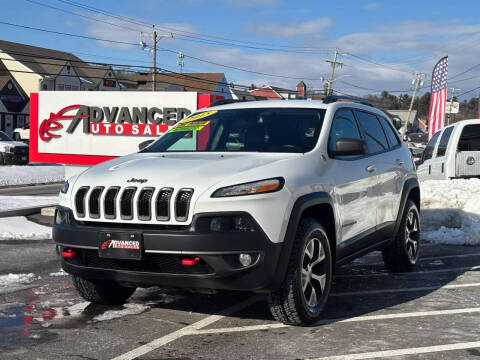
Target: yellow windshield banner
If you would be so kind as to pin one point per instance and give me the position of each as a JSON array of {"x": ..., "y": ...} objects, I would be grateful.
[
  {"x": 199, "y": 116},
  {"x": 190, "y": 126}
]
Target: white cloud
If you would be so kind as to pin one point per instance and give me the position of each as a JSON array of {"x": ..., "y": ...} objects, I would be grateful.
[
  {"x": 293, "y": 30},
  {"x": 372, "y": 6}
]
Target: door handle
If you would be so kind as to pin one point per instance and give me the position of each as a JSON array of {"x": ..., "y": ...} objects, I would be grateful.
[
  {"x": 399, "y": 162},
  {"x": 370, "y": 168}
]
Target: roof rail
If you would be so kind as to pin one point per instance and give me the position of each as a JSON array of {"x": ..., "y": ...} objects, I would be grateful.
[
  {"x": 334, "y": 98},
  {"x": 225, "y": 102}
]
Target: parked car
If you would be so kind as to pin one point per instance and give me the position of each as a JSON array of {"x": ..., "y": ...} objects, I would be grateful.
[
  {"x": 453, "y": 152},
  {"x": 21, "y": 133},
  {"x": 12, "y": 152},
  {"x": 264, "y": 196}
]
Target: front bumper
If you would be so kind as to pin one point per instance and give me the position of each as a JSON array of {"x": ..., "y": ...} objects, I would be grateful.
[
  {"x": 16, "y": 158},
  {"x": 163, "y": 250}
]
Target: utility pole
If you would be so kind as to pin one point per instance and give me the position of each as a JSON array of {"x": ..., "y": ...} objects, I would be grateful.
[
  {"x": 417, "y": 82},
  {"x": 451, "y": 105},
  {"x": 334, "y": 64},
  {"x": 180, "y": 61},
  {"x": 155, "y": 38}
]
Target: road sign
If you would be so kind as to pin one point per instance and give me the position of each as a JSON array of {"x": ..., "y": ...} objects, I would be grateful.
[{"x": 452, "y": 107}]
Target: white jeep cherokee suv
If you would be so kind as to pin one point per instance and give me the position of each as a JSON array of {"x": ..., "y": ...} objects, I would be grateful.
[{"x": 265, "y": 196}]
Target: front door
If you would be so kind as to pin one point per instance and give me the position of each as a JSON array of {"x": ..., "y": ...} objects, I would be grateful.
[{"x": 355, "y": 180}]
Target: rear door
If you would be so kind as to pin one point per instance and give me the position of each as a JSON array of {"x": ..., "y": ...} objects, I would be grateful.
[{"x": 354, "y": 186}]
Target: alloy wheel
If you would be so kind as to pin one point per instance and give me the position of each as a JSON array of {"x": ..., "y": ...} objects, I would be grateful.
[
  {"x": 412, "y": 235},
  {"x": 314, "y": 276}
]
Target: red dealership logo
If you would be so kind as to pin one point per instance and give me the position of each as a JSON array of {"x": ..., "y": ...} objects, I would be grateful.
[{"x": 135, "y": 121}]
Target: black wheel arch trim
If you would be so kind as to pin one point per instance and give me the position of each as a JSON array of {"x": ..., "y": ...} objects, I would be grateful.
[
  {"x": 301, "y": 204},
  {"x": 409, "y": 185}
]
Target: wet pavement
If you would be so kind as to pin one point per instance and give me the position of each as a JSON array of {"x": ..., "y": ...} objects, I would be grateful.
[{"x": 433, "y": 313}]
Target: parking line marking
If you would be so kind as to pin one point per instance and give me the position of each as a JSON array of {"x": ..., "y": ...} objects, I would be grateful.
[
  {"x": 423, "y": 288},
  {"x": 401, "y": 352},
  {"x": 340, "y": 320},
  {"x": 466, "y": 268},
  {"x": 161, "y": 341}
]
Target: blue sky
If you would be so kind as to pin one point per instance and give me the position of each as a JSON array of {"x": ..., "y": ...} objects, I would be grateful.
[{"x": 400, "y": 37}]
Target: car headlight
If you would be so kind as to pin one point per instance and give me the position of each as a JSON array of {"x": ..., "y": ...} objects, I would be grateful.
[
  {"x": 64, "y": 188},
  {"x": 251, "y": 188}
]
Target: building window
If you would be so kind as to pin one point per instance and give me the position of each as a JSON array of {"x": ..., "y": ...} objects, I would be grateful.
[
  {"x": 68, "y": 68},
  {"x": 68, "y": 88},
  {"x": 74, "y": 88},
  {"x": 109, "y": 83},
  {"x": 60, "y": 87}
]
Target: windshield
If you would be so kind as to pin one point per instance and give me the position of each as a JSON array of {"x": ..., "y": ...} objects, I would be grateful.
[
  {"x": 4, "y": 137},
  {"x": 260, "y": 130}
]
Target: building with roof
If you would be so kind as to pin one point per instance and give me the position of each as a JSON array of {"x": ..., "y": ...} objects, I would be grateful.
[
  {"x": 14, "y": 103},
  {"x": 278, "y": 93},
  {"x": 209, "y": 83}
]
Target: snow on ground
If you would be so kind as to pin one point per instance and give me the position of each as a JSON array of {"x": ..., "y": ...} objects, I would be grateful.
[
  {"x": 19, "y": 228},
  {"x": 14, "y": 282},
  {"x": 451, "y": 211},
  {"x": 20, "y": 202},
  {"x": 26, "y": 174},
  {"x": 128, "y": 309},
  {"x": 58, "y": 273}
]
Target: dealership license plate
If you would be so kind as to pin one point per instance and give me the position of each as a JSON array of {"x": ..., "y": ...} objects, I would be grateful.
[{"x": 120, "y": 245}]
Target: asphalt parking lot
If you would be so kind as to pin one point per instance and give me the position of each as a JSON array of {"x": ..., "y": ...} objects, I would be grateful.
[{"x": 433, "y": 313}]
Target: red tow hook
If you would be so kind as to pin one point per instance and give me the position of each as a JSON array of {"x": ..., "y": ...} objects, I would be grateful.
[
  {"x": 190, "y": 262},
  {"x": 69, "y": 253}
]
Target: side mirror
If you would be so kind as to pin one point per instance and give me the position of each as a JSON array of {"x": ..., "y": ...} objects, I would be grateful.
[
  {"x": 144, "y": 144},
  {"x": 397, "y": 123},
  {"x": 347, "y": 146}
]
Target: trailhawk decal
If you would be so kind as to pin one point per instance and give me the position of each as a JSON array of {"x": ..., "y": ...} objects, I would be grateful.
[
  {"x": 135, "y": 121},
  {"x": 121, "y": 244}
]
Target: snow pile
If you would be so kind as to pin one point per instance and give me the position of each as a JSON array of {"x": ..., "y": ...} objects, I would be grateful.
[
  {"x": 451, "y": 211},
  {"x": 26, "y": 175},
  {"x": 128, "y": 309},
  {"x": 14, "y": 282},
  {"x": 19, "y": 228},
  {"x": 58, "y": 273},
  {"x": 21, "y": 202}
]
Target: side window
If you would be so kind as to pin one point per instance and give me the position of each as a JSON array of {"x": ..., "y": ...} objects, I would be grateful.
[
  {"x": 428, "y": 152},
  {"x": 373, "y": 132},
  {"x": 391, "y": 137},
  {"x": 442, "y": 145},
  {"x": 343, "y": 126}
]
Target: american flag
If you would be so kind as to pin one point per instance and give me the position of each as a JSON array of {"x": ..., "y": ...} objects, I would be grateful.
[{"x": 438, "y": 97}]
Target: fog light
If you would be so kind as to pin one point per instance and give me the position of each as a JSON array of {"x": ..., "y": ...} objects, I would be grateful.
[
  {"x": 245, "y": 259},
  {"x": 470, "y": 160}
]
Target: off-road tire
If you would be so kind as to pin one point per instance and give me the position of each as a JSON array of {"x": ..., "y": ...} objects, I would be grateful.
[
  {"x": 396, "y": 256},
  {"x": 287, "y": 304},
  {"x": 102, "y": 292}
]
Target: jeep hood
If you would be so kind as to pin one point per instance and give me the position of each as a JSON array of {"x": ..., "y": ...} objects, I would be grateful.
[{"x": 199, "y": 171}]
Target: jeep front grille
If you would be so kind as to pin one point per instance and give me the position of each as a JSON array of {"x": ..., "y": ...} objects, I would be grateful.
[
  {"x": 145, "y": 204},
  {"x": 132, "y": 203},
  {"x": 80, "y": 200},
  {"x": 182, "y": 204},
  {"x": 94, "y": 202},
  {"x": 162, "y": 205},
  {"x": 126, "y": 203},
  {"x": 110, "y": 202}
]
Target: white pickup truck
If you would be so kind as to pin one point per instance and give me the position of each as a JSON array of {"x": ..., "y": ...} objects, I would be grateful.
[{"x": 453, "y": 152}]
